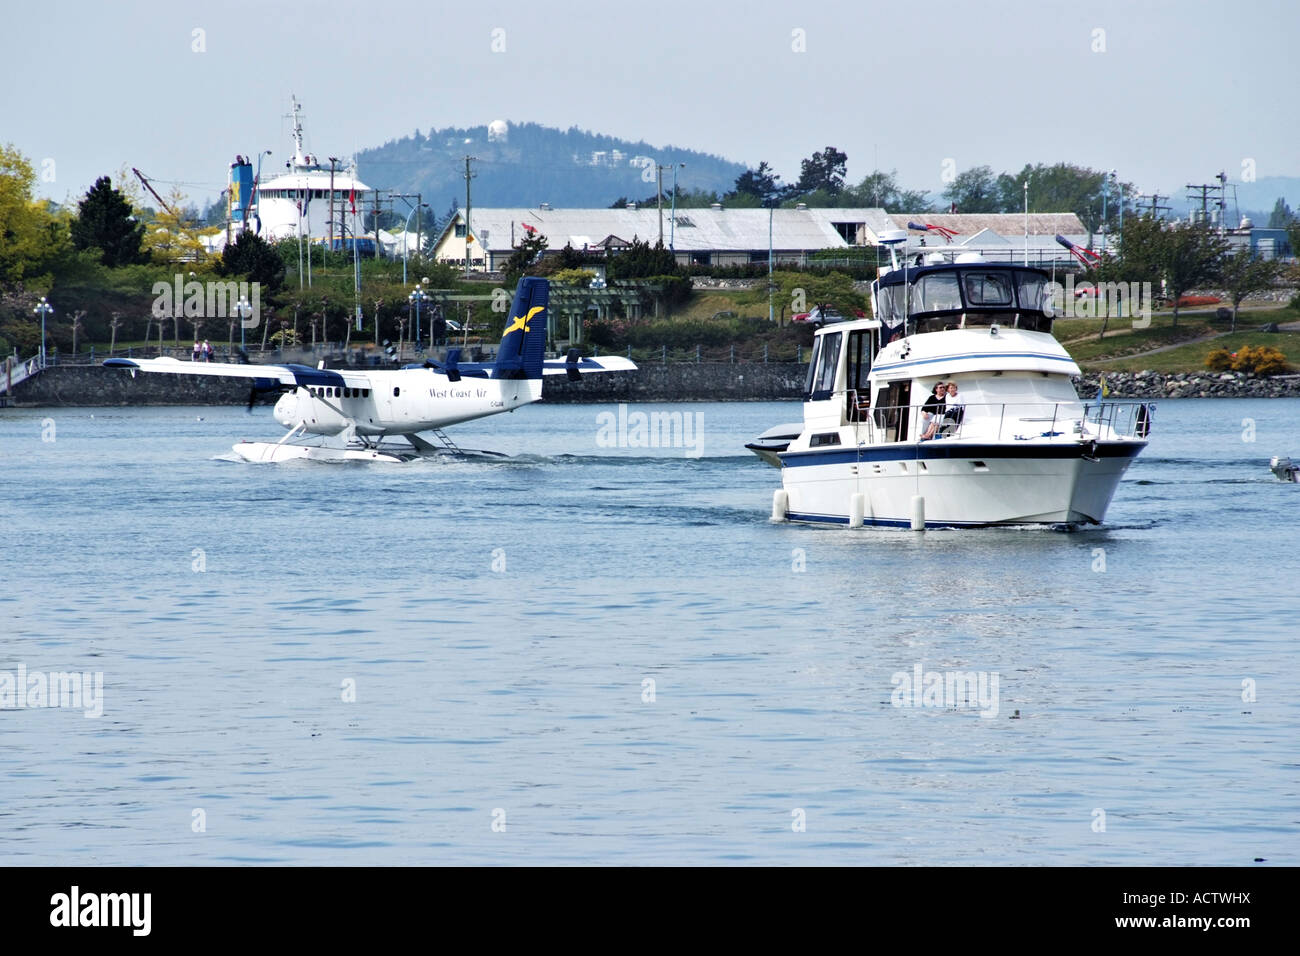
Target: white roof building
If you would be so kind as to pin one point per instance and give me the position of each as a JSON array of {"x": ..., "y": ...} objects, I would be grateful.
[{"x": 727, "y": 237}]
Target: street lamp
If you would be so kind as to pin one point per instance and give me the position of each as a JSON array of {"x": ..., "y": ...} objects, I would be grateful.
[
  {"x": 417, "y": 296},
  {"x": 43, "y": 309},
  {"x": 406, "y": 235},
  {"x": 771, "y": 205},
  {"x": 245, "y": 309},
  {"x": 257, "y": 192},
  {"x": 1119, "y": 194}
]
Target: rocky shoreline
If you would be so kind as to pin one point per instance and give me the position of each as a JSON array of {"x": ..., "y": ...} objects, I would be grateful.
[
  {"x": 679, "y": 382},
  {"x": 1191, "y": 385}
]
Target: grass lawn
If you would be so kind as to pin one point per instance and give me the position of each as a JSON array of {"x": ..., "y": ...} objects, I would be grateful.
[{"x": 1191, "y": 358}]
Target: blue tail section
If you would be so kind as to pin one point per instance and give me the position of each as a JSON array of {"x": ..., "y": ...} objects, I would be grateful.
[{"x": 523, "y": 347}]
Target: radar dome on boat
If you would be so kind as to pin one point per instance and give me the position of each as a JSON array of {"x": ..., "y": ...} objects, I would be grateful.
[{"x": 969, "y": 257}]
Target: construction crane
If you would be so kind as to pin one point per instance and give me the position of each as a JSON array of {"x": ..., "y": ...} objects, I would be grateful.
[{"x": 140, "y": 176}]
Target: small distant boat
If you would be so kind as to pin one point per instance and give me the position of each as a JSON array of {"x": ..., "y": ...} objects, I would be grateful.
[
  {"x": 1018, "y": 447},
  {"x": 1284, "y": 470}
]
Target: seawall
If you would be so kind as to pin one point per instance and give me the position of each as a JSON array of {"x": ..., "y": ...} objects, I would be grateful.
[
  {"x": 685, "y": 381},
  {"x": 678, "y": 382}
]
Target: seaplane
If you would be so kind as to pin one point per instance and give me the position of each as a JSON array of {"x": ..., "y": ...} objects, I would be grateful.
[{"x": 341, "y": 415}]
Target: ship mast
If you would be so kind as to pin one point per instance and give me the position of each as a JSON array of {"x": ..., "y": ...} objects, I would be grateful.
[{"x": 299, "y": 160}]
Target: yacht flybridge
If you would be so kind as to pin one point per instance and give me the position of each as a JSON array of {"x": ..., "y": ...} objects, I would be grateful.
[{"x": 1012, "y": 444}]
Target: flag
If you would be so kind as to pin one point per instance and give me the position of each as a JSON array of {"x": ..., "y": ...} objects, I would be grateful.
[
  {"x": 528, "y": 229},
  {"x": 352, "y": 198},
  {"x": 1102, "y": 389}
]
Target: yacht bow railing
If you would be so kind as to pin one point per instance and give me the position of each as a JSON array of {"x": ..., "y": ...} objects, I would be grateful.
[{"x": 1002, "y": 421}]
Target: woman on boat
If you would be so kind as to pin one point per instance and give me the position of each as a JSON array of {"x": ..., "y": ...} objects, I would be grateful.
[{"x": 932, "y": 410}]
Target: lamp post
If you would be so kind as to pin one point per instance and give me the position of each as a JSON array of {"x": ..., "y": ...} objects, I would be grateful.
[
  {"x": 43, "y": 308},
  {"x": 245, "y": 309},
  {"x": 417, "y": 296},
  {"x": 1105, "y": 190},
  {"x": 1026, "y": 220},
  {"x": 257, "y": 190},
  {"x": 771, "y": 314},
  {"x": 1119, "y": 194},
  {"x": 406, "y": 236}
]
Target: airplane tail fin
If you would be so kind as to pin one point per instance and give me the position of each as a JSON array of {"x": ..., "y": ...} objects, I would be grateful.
[{"x": 523, "y": 347}]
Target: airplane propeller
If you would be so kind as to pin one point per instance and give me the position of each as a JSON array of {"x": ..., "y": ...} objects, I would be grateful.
[{"x": 258, "y": 387}]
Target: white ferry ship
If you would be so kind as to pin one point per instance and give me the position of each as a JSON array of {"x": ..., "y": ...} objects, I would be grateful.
[{"x": 311, "y": 198}]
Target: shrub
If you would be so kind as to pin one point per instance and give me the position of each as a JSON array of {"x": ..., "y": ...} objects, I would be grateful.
[
  {"x": 1262, "y": 360},
  {"x": 1219, "y": 360}
]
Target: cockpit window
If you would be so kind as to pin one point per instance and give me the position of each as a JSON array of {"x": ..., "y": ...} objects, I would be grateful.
[
  {"x": 936, "y": 293},
  {"x": 987, "y": 288}
]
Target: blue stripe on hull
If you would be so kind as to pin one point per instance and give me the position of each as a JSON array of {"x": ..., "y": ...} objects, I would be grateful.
[
  {"x": 942, "y": 449},
  {"x": 931, "y": 525}
]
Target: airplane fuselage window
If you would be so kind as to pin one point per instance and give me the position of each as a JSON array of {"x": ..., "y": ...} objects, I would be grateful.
[{"x": 396, "y": 392}]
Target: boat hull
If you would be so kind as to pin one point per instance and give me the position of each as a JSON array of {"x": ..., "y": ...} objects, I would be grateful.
[{"x": 961, "y": 484}]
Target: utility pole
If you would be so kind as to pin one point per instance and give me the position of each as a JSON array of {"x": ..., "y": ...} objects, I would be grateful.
[
  {"x": 1155, "y": 205},
  {"x": 333, "y": 163},
  {"x": 659, "y": 198},
  {"x": 377, "y": 223},
  {"x": 468, "y": 234},
  {"x": 419, "y": 201},
  {"x": 1205, "y": 191}
]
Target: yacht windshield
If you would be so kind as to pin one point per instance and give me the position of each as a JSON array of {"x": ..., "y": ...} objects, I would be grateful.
[
  {"x": 936, "y": 293},
  {"x": 987, "y": 288}
]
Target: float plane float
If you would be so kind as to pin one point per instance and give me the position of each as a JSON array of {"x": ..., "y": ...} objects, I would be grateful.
[{"x": 350, "y": 412}]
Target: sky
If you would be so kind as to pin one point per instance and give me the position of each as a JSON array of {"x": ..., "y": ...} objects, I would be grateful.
[{"x": 1166, "y": 93}]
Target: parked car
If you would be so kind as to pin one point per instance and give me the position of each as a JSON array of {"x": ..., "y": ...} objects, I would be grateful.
[{"x": 824, "y": 315}]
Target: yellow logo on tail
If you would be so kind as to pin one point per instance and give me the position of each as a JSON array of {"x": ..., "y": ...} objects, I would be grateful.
[{"x": 522, "y": 322}]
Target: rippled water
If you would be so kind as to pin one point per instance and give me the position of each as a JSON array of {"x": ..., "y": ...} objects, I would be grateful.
[{"x": 501, "y": 620}]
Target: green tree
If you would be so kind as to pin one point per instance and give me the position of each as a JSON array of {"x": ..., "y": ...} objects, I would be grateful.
[
  {"x": 32, "y": 237},
  {"x": 823, "y": 170},
  {"x": 974, "y": 191},
  {"x": 1188, "y": 254},
  {"x": 1281, "y": 216},
  {"x": 1243, "y": 272},
  {"x": 525, "y": 255},
  {"x": 1064, "y": 187},
  {"x": 106, "y": 222},
  {"x": 761, "y": 184},
  {"x": 802, "y": 291},
  {"x": 640, "y": 260},
  {"x": 880, "y": 189},
  {"x": 252, "y": 256}
]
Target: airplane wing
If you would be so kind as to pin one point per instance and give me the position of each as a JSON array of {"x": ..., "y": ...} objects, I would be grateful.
[
  {"x": 291, "y": 375},
  {"x": 575, "y": 367}
]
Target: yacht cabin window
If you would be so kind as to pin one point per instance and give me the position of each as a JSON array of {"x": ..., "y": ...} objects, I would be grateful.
[{"x": 828, "y": 360}]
